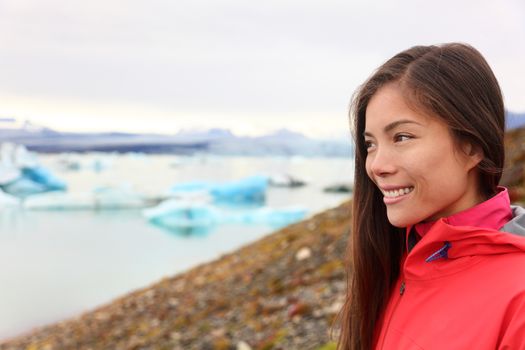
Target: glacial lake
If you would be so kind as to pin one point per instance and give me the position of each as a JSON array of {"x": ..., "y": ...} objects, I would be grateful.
[{"x": 58, "y": 264}]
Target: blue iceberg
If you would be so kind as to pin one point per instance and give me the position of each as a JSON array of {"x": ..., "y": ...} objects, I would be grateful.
[
  {"x": 21, "y": 175},
  {"x": 42, "y": 176},
  {"x": 179, "y": 216},
  {"x": 251, "y": 190},
  {"x": 190, "y": 217},
  {"x": 23, "y": 187},
  {"x": 247, "y": 191},
  {"x": 190, "y": 187},
  {"x": 272, "y": 216}
]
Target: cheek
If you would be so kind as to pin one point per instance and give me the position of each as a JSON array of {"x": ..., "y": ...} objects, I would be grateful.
[
  {"x": 429, "y": 163},
  {"x": 438, "y": 176}
]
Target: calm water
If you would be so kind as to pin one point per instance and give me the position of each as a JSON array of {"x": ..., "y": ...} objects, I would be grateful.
[{"x": 55, "y": 265}]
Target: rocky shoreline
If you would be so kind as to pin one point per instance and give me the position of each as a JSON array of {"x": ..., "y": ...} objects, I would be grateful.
[{"x": 281, "y": 292}]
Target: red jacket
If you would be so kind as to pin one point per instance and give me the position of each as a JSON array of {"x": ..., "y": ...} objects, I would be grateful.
[{"x": 460, "y": 287}]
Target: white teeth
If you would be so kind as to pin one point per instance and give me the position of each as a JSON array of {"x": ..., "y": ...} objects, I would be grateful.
[{"x": 398, "y": 192}]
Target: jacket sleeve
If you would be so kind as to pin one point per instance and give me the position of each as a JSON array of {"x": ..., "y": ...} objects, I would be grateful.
[{"x": 513, "y": 330}]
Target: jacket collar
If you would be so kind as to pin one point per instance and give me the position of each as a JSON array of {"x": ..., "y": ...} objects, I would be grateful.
[{"x": 493, "y": 213}]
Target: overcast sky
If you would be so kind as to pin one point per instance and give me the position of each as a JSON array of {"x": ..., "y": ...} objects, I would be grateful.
[{"x": 157, "y": 66}]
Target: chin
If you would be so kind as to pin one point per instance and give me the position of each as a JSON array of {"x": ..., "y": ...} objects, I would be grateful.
[{"x": 401, "y": 221}]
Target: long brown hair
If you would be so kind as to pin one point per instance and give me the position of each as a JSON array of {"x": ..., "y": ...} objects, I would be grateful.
[{"x": 452, "y": 82}]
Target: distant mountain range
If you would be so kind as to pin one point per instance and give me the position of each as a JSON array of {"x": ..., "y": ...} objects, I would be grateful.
[
  {"x": 215, "y": 141},
  {"x": 514, "y": 120}
]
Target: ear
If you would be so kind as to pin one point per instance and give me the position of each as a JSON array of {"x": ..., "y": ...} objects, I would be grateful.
[{"x": 474, "y": 154}]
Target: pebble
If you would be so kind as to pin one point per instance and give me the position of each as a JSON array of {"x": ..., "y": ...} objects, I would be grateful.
[
  {"x": 242, "y": 345},
  {"x": 219, "y": 332},
  {"x": 311, "y": 226},
  {"x": 334, "y": 308},
  {"x": 303, "y": 254},
  {"x": 175, "y": 336}
]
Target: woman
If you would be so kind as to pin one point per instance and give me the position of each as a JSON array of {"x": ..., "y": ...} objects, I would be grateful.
[{"x": 437, "y": 257}]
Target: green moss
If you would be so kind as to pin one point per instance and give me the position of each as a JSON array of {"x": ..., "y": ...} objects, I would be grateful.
[
  {"x": 331, "y": 268},
  {"x": 271, "y": 342},
  {"x": 328, "y": 346},
  {"x": 204, "y": 327}
]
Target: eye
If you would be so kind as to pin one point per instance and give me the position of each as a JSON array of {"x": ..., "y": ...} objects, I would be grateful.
[
  {"x": 369, "y": 144},
  {"x": 402, "y": 137}
]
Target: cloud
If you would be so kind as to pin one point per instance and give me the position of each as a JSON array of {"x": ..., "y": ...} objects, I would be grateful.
[{"x": 265, "y": 60}]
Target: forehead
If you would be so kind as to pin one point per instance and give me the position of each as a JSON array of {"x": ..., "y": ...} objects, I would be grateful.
[{"x": 390, "y": 104}]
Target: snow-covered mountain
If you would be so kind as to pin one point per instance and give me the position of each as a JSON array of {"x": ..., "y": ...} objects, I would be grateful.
[{"x": 215, "y": 141}]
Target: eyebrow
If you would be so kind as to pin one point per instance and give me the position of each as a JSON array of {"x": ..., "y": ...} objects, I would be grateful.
[{"x": 394, "y": 125}]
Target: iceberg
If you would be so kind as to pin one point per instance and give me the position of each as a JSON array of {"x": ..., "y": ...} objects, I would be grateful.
[
  {"x": 183, "y": 217},
  {"x": 286, "y": 180},
  {"x": 44, "y": 177},
  {"x": 8, "y": 201},
  {"x": 101, "y": 164},
  {"x": 16, "y": 156},
  {"x": 7, "y": 154},
  {"x": 194, "y": 186},
  {"x": 8, "y": 174},
  {"x": 272, "y": 216},
  {"x": 22, "y": 176},
  {"x": 23, "y": 187},
  {"x": 119, "y": 198},
  {"x": 339, "y": 188},
  {"x": 247, "y": 191},
  {"x": 60, "y": 201},
  {"x": 68, "y": 162},
  {"x": 104, "y": 198},
  {"x": 24, "y": 158},
  {"x": 250, "y": 190},
  {"x": 190, "y": 217}
]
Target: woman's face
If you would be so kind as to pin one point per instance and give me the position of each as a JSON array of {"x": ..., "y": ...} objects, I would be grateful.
[{"x": 414, "y": 161}]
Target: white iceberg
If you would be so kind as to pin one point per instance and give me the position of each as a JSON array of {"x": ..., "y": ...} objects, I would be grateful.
[
  {"x": 60, "y": 201},
  {"x": 286, "y": 180},
  {"x": 8, "y": 174},
  {"x": 14, "y": 155},
  {"x": 8, "y": 201},
  {"x": 105, "y": 198},
  {"x": 121, "y": 197},
  {"x": 24, "y": 158}
]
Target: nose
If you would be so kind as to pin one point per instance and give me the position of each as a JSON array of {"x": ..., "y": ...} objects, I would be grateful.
[{"x": 380, "y": 163}]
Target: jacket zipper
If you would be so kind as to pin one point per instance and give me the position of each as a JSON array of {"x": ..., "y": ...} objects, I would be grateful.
[{"x": 401, "y": 291}]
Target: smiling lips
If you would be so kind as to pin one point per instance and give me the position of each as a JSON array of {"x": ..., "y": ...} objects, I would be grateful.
[{"x": 395, "y": 195}]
